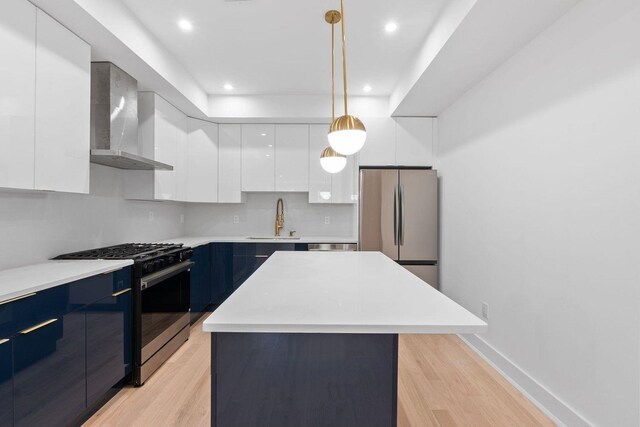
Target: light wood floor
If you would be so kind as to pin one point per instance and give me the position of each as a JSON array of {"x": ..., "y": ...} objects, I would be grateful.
[{"x": 441, "y": 383}]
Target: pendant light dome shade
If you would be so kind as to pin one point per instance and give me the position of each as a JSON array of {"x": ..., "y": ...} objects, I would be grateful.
[
  {"x": 347, "y": 135},
  {"x": 331, "y": 161}
]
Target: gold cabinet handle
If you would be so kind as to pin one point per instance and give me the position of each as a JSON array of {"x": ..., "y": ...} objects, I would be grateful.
[
  {"x": 38, "y": 326},
  {"x": 4, "y": 341},
  {"x": 7, "y": 301},
  {"x": 117, "y": 294}
]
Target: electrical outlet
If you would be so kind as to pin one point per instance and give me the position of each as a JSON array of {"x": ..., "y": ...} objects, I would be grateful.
[
  {"x": 236, "y": 219},
  {"x": 181, "y": 219},
  {"x": 150, "y": 215},
  {"x": 327, "y": 220},
  {"x": 485, "y": 310}
]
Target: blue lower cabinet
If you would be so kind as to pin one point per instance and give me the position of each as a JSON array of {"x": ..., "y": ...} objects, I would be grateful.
[
  {"x": 49, "y": 371},
  {"x": 222, "y": 268},
  {"x": 108, "y": 343},
  {"x": 200, "y": 281},
  {"x": 6, "y": 382}
]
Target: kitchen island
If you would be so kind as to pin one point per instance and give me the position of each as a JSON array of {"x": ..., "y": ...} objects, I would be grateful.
[{"x": 311, "y": 339}]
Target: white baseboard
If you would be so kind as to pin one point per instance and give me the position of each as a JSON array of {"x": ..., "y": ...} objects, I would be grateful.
[{"x": 553, "y": 407}]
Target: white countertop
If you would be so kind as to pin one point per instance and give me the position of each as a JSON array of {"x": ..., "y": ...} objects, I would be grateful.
[
  {"x": 203, "y": 240},
  {"x": 37, "y": 277},
  {"x": 339, "y": 292}
]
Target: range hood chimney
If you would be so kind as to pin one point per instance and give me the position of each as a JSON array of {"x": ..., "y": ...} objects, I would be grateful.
[{"x": 114, "y": 120}]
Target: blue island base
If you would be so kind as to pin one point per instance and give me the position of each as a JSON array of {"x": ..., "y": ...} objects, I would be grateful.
[{"x": 310, "y": 380}]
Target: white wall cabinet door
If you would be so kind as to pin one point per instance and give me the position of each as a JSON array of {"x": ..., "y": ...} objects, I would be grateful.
[
  {"x": 319, "y": 179},
  {"x": 258, "y": 157},
  {"x": 292, "y": 158},
  {"x": 230, "y": 164},
  {"x": 202, "y": 164},
  {"x": 380, "y": 147},
  {"x": 17, "y": 93},
  {"x": 181, "y": 165},
  {"x": 344, "y": 188},
  {"x": 162, "y": 133},
  {"x": 166, "y": 148},
  {"x": 414, "y": 141},
  {"x": 63, "y": 91}
]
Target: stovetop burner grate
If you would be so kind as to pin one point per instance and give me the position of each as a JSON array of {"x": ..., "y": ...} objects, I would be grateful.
[{"x": 125, "y": 251}]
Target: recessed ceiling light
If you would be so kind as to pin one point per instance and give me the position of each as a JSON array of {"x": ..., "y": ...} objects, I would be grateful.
[
  {"x": 391, "y": 27},
  {"x": 185, "y": 25},
  {"x": 228, "y": 86},
  {"x": 263, "y": 134},
  {"x": 367, "y": 88}
]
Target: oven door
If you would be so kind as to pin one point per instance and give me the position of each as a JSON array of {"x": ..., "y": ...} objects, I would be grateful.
[{"x": 164, "y": 304}]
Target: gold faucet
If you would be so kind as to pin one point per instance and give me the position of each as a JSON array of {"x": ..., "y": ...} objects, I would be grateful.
[{"x": 279, "y": 216}]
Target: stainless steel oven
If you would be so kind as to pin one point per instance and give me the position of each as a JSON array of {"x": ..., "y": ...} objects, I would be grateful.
[{"x": 164, "y": 316}]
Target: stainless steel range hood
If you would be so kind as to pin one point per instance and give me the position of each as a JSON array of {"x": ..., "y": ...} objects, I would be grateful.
[{"x": 114, "y": 120}]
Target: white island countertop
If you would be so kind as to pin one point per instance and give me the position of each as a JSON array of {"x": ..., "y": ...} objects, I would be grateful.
[
  {"x": 339, "y": 292},
  {"x": 20, "y": 281},
  {"x": 195, "y": 241}
]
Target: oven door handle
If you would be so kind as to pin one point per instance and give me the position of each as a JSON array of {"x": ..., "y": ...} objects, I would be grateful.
[{"x": 162, "y": 275}]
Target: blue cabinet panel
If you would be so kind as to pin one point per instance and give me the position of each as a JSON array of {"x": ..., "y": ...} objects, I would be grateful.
[
  {"x": 108, "y": 344},
  {"x": 6, "y": 382},
  {"x": 221, "y": 272},
  {"x": 200, "y": 281},
  {"x": 49, "y": 372}
]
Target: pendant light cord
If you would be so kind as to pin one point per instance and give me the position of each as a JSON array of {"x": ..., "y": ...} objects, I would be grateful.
[
  {"x": 344, "y": 59},
  {"x": 333, "y": 74}
]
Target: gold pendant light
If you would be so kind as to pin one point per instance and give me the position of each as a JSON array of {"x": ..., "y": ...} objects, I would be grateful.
[
  {"x": 330, "y": 160},
  {"x": 347, "y": 134}
]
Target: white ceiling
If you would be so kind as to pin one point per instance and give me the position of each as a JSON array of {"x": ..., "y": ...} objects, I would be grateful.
[{"x": 283, "y": 46}]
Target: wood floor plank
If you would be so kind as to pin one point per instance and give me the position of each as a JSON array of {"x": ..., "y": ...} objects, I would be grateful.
[{"x": 441, "y": 383}]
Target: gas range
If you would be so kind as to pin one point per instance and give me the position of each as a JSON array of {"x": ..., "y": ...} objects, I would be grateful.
[
  {"x": 161, "y": 299},
  {"x": 147, "y": 257}
]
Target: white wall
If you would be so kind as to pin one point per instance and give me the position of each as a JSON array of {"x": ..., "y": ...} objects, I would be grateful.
[
  {"x": 37, "y": 226},
  {"x": 541, "y": 211},
  {"x": 257, "y": 217}
]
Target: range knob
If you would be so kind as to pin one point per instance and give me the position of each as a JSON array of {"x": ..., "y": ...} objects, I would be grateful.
[
  {"x": 159, "y": 264},
  {"x": 171, "y": 260},
  {"x": 148, "y": 267}
]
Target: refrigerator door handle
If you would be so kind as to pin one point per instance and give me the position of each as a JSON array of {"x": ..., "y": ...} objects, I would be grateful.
[
  {"x": 395, "y": 216},
  {"x": 401, "y": 215}
]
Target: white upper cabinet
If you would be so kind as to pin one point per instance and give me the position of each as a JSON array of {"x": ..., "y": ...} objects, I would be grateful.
[
  {"x": 414, "y": 141},
  {"x": 230, "y": 164},
  {"x": 164, "y": 140},
  {"x": 202, "y": 162},
  {"x": 258, "y": 157},
  {"x": 402, "y": 141},
  {"x": 344, "y": 184},
  {"x": 319, "y": 179},
  {"x": 162, "y": 131},
  {"x": 17, "y": 93},
  {"x": 181, "y": 166},
  {"x": 323, "y": 186},
  {"x": 380, "y": 147},
  {"x": 292, "y": 158},
  {"x": 62, "y": 105}
]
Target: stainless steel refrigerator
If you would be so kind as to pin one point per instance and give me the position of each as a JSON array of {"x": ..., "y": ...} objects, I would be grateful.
[{"x": 398, "y": 212}]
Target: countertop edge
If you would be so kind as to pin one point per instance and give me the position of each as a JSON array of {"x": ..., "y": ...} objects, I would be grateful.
[
  {"x": 114, "y": 265},
  {"x": 195, "y": 241},
  {"x": 344, "y": 329}
]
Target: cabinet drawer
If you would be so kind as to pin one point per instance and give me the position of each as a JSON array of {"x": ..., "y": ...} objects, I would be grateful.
[
  {"x": 261, "y": 249},
  {"x": 92, "y": 289},
  {"x": 32, "y": 309}
]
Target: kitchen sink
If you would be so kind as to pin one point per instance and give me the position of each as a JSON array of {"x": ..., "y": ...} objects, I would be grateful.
[{"x": 273, "y": 238}]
